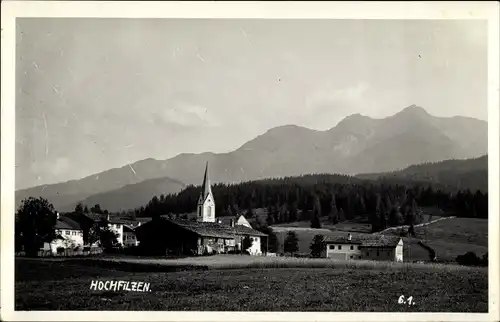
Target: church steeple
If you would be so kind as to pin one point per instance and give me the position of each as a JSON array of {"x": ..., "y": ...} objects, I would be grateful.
[
  {"x": 205, "y": 188},
  {"x": 206, "y": 203}
]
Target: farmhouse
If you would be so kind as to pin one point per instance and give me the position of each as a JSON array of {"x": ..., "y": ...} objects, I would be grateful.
[
  {"x": 372, "y": 247},
  {"x": 69, "y": 234},
  {"x": 204, "y": 235}
]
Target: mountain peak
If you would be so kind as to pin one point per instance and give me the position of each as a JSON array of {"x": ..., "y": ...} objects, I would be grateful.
[{"x": 414, "y": 110}]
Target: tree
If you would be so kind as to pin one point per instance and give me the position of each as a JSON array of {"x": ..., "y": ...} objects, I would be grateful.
[
  {"x": 315, "y": 220},
  {"x": 341, "y": 215},
  {"x": 292, "y": 212},
  {"x": 317, "y": 246},
  {"x": 334, "y": 212},
  {"x": 246, "y": 244},
  {"x": 79, "y": 208},
  {"x": 35, "y": 224},
  {"x": 249, "y": 213},
  {"x": 96, "y": 209},
  {"x": 291, "y": 244},
  {"x": 86, "y": 210},
  {"x": 272, "y": 243},
  {"x": 105, "y": 237}
]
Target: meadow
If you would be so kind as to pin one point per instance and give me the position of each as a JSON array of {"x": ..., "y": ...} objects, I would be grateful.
[
  {"x": 449, "y": 237},
  {"x": 273, "y": 285}
]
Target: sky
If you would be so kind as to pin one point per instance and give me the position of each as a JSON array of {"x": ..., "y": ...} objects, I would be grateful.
[{"x": 94, "y": 94}]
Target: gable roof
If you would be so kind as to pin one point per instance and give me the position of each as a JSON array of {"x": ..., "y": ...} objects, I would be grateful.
[
  {"x": 210, "y": 229},
  {"x": 111, "y": 218},
  {"x": 67, "y": 223},
  {"x": 365, "y": 240}
]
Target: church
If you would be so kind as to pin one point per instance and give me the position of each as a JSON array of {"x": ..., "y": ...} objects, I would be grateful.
[{"x": 203, "y": 236}]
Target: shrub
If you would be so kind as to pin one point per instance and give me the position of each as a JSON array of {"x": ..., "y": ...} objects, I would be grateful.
[
  {"x": 469, "y": 259},
  {"x": 484, "y": 260}
]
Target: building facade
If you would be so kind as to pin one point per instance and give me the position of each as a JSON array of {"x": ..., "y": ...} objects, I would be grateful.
[
  {"x": 367, "y": 247},
  {"x": 69, "y": 235}
]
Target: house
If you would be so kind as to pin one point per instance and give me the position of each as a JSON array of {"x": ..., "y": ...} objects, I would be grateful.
[
  {"x": 369, "y": 247},
  {"x": 203, "y": 235},
  {"x": 115, "y": 223},
  {"x": 129, "y": 238},
  {"x": 69, "y": 234}
]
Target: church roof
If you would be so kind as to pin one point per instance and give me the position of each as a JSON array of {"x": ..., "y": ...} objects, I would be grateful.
[
  {"x": 205, "y": 188},
  {"x": 211, "y": 229}
]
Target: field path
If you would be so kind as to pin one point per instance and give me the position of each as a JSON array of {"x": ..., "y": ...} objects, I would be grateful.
[{"x": 406, "y": 226}]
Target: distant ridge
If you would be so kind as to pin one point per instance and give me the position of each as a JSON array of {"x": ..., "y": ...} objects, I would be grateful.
[{"x": 357, "y": 144}]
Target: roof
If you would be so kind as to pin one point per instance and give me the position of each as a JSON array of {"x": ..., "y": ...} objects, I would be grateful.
[
  {"x": 112, "y": 219},
  {"x": 211, "y": 229},
  {"x": 65, "y": 222},
  {"x": 365, "y": 240},
  {"x": 127, "y": 229}
]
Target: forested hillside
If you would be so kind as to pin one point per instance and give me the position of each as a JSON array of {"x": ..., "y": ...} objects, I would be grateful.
[{"x": 385, "y": 202}]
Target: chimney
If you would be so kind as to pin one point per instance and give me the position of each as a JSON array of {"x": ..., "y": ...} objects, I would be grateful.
[
  {"x": 349, "y": 237},
  {"x": 231, "y": 223}
]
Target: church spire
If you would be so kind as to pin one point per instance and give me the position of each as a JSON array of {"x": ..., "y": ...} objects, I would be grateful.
[
  {"x": 205, "y": 188},
  {"x": 206, "y": 203}
]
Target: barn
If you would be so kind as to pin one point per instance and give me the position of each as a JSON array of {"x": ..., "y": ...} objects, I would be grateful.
[{"x": 164, "y": 236}]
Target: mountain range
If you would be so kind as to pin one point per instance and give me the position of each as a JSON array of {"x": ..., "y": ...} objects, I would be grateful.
[{"x": 357, "y": 144}]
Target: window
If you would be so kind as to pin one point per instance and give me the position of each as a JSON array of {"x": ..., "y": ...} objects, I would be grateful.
[
  {"x": 359, "y": 247},
  {"x": 378, "y": 254},
  {"x": 332, "y": 246},
  {"x": 352, "y": 247},
  {"x": 209, "y": 211},
  {"x": 67, "y": 232},
  {"x": 359, "y": 257},
  {"x": 351, "y": 256},
  {"x": 367, "y": 253},
  {"x": 340, "y": 246}
]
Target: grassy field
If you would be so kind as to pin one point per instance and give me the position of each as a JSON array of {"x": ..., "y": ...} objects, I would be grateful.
[
  {"x": 65, "y": 285},
  {"x": 449, "y": 237},
  {"x": 142, "y": 264}
]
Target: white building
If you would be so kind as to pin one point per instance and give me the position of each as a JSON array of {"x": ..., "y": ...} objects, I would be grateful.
[
  {"x": 129, "y": 238},
  {"x": 368, "y": 247},
  {"x": 69, "y": 234}
]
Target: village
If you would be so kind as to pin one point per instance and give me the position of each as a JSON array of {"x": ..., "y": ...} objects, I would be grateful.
[{"x": 206, "y": 234}]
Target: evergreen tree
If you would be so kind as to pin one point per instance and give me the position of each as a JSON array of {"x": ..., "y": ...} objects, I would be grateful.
[
  {"x": 79, "y": 208},
  {"x": 334, "y": 212},
  {"x": 291, "y": 244},
  {"x": 315, "y": 220},
  {"x": 317, "y": 246}
]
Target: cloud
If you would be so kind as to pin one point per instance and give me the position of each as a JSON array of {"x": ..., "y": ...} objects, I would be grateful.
[
  {"x": 329, "y": 95},
  {"x": 190, "y": 115}
]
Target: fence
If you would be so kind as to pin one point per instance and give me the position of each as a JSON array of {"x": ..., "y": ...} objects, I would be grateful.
[{"x": 65, "y": 253}]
